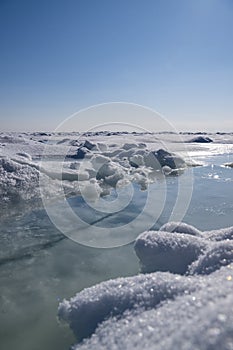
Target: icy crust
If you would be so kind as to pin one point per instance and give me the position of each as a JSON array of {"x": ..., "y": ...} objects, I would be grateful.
[{"x": 187, "y": 307}]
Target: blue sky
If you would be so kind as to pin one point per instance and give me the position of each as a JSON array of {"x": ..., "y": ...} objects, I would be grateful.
[{"x": 175, "y": 56}]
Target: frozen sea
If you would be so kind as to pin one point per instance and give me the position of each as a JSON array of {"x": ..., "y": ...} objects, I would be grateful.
[{"x": 40, "y": 266}]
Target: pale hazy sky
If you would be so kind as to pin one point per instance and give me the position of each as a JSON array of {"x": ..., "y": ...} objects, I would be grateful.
[{"x": 175, "y": 56}]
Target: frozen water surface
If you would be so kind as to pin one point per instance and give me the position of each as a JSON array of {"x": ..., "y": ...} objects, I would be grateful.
[{"x": 188, "y": 305}]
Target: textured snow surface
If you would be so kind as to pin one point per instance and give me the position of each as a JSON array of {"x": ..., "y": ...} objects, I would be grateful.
[
  {"x": 83, "y": 166},
  {"x": 188, "y": 306}
]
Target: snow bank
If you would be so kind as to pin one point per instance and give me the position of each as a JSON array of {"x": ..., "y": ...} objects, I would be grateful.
[
  {"x": 163, "y": 251},
  {"x": 187, "y": 307}
]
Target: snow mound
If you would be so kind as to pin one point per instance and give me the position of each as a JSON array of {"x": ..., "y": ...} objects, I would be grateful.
[
  {"x": 187, "y": 307},
  {"x": 163, "y": 251},
  {"x": 112, "y": 298},
  {"x": 182, "y": 251}
]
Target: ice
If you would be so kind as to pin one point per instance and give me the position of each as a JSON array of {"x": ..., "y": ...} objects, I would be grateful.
[
  {"x": 81, "y": 153},
  {"x": 89, "y": 145},
  {"x": 230, "y": 165},
  {"x": 185, "y": 304},
  {"x": 18, "y": 181},
  {"x": 91, "y": 192},
  {"x": 39, "y": 266},
  {"x": 161, "y": 158},
  {"x": 112, "y": 165},
  {"x": 201, "y": 139}
]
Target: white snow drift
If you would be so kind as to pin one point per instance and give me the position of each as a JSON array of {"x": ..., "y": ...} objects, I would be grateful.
[{"x": 188, "y": 306}]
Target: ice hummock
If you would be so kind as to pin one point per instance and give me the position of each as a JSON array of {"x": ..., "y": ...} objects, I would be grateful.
[{"x": 188, "y": 306}]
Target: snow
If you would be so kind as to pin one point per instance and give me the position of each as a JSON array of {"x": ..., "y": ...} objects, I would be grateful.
[
  {"x": 185, "y": 304},
  {"x": 18, "y": 181},
  {"x": 32, "y": 157},
  {"x": 163, "y": 251},
  {"x": 180, "y": 227}
]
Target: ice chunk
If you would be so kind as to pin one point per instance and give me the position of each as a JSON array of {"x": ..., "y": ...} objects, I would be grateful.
[
  {"x": 89, "y": 145},
  {"x": 128, "y": 146},
  {"x": 91, "y": 192},
  {"x": 111, "y": 173},
  {"x": 229, "y": 165},
  {"x": 136, "y": 160},
  {"x": 201, "y": 139},
  {"x": 74, "y": 166},
  {"x": 98, "y": 160},
  {"x": 169, "y": 159},
  {"x": 161, "y": 158},
  {"x": 102, "y": 147},
  {"x": 81, "y": 153}
]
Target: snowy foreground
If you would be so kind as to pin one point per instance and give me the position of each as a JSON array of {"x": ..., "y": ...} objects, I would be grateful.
[{"x": 183, "y": 300}]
